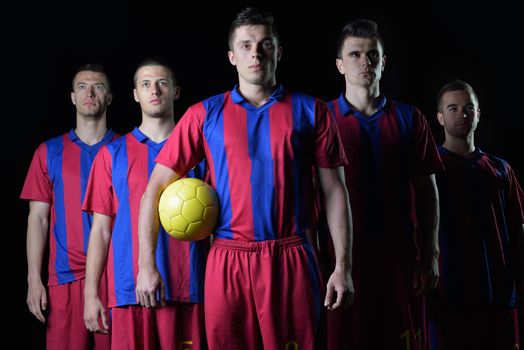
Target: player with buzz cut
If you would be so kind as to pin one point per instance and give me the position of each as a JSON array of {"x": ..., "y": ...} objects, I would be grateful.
[
  {"x": 261, "y": 142},
  {"x": 118, "y": 178}
]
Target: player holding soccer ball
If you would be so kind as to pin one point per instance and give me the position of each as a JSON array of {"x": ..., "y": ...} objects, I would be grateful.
[
  {"x": 118, "y": 179},
  {"x": 262, "y": 286}
]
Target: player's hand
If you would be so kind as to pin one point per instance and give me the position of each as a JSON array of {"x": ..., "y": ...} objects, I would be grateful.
[
  {"x": 37, "y": 300},
  {"x": 340, "y": 291},
  {"x": 425, "y": 276},
  {"x": 150, "y": 288},
  {"x": 93, "y": 311}
]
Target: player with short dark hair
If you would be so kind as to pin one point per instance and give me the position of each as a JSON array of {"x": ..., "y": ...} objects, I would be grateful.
[
  {"x": 55, "y": 187},
  {"x": 481, "y": 235},
  {"x": 262, "y": 286},
  {"x": 116, "y": 184}
]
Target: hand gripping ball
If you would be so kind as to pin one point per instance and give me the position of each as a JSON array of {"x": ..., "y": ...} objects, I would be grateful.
[{"x": 188, "y": 209}]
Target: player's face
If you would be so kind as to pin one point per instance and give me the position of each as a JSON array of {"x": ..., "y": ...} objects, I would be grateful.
[
  {"x": 362, "y": 61},
  {"x": 255, "y": 54},
  {"x": 155, "y": 91},
  {"x": 90, "y": 94},
  {"x": 460, "y": 114}
]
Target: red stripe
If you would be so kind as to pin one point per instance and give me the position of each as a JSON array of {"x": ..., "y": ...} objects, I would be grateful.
[
  {"x": 236, "y": 147},
  {"x": 73, "y": 215}
]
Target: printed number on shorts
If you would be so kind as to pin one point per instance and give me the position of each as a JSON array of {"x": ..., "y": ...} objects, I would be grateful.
[{"x": 407, "y": 336}]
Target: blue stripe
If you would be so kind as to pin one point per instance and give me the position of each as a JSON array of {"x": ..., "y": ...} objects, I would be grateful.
[
  {"x": 303, "y": 110},
  {"x": 122, "y": 234},
  {"x": 54, "y": 165},
  {"x": 315, "y": 282},
  {"x": 213, "y": 130},
  {"x": 197, "y": 263},
  {"x": 262, "y": 179}
]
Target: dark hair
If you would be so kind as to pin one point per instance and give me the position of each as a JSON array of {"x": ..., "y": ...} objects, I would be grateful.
[
  {"x": 454, "y": 85},
  {"x": 155, "y": 61},
  {"x": 92, "y": 67},
  {"x": 251, "y": 16},
  {"x": 360, "y": 28}
]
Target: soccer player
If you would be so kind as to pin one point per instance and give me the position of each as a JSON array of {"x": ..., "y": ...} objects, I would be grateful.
[
  {"x": 260, "y": 141},
  {"x": 481, "y": 235},
  {"x": 392, "y": 160},
  {"x": 55, "y": 187},
  {"x": 116, "y": 184}
]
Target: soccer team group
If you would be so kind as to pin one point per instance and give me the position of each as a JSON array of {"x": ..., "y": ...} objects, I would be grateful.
[{"x": 341, "y": 225}]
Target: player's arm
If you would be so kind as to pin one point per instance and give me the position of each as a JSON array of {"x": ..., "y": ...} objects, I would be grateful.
[
  {"x": 97, "y": 250},
  {"x": 338, "y": 212},
  {"x": 149, "y": 281},
  {"x": 427, "y": 206},
  {"x": 37, "y": 231},
  {"x": 519, "y": 249}
]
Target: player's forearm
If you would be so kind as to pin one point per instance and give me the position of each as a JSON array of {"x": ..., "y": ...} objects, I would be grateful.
[
  {"x": 520, "y": 262},
  {"x": 428, "y": 217},
  {"x": 148, "y": 223},
  {"x": 96, "y": 258},
  {"x": 148, "y": 229},
  {"x": 37, "y": 231},
  {"x": 339, "y": 221}
]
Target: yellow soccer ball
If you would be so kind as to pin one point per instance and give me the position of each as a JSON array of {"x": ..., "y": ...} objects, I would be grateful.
[{"x": 188, "y": 209}]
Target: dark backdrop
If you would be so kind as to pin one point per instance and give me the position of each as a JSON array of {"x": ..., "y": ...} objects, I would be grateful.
[{"x": 427, "y": 43}]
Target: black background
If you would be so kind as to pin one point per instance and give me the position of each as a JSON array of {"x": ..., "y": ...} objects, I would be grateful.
[{"x": 427, "y": 43}]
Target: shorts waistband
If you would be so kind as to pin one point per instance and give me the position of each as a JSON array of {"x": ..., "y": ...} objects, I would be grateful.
[{"x": 253, "y": 246}]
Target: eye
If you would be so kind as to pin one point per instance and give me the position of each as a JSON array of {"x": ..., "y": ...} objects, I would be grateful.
[
  {"x": 145, "y": 84},
  {"x": 267, "y": 45},
  {"x": 452, "y": 108},
  {"x": 100, "y": 87},
  {"x": 354, "y": 54},
  {"x": 81, "y": 86},
  {"x": 470, "y": 108}
]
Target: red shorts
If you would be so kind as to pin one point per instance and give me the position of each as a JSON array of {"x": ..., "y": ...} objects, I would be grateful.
[
  {"x": 65, "y": 320},
  {"x": 262, "y": 295},
  {"x": 176, "y": 325}
]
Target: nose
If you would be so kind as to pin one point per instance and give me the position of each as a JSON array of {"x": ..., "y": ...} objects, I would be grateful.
[
  {"x": 90, "y": 91},
  {"x": 365, "y": 60},
  {"x": 155, "y": 89}
]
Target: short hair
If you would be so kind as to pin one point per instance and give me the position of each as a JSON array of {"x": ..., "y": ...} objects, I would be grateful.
[
  {"x": 251, "y": 16},
  {"x": 455, "y": 85},
  {"x": 155, "y": 61},
  {"x": 359, "y": 28},
  {"x": 92, "y": 67}
]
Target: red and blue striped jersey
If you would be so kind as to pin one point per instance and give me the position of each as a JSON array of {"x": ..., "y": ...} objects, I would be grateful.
[
  {"x": 481, "y": 209},
  {"x": 58, "y": 175},
  {"x": 260, "y": 159},
  {"x": 385, "y": 151},
  {"x": 117, "y": 182}
]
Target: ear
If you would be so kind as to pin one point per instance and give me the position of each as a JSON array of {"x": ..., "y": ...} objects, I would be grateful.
[
  {"x": 340, "y": 66},
  {"x": 177, "y": 93},
  {"x": 232, "y": 59},
  {"x": 109, "y": 98},
  {"x": 478, "y": 113},
  {"x": 279, "y": 53},
  {"x": 440, "y": 118},
  {"x": 135, "y": 95},
  {"x": 73, "y": 98},
  {"x": 383, "y": 63}
]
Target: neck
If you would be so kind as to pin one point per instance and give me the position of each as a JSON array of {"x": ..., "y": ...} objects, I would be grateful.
[
  {"x": 462, "y": 147},
  {"x": 257, "y": 95},
  {"x": 157, "y": 129},
  {"x": 90, "y": 130},
  {"x": 363, "y": 99}
]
